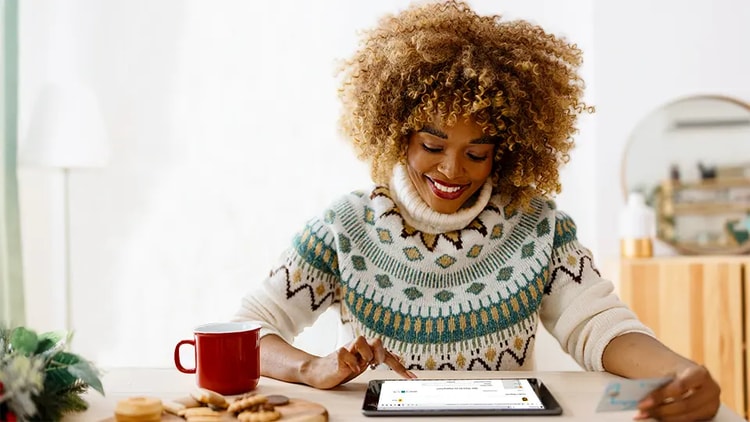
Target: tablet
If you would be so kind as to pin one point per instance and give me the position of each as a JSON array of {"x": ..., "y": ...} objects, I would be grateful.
[{"x": 433, "y": 397}]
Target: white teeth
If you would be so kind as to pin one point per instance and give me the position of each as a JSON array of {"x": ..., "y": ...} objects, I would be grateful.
[{"x": 446, "y": 189}]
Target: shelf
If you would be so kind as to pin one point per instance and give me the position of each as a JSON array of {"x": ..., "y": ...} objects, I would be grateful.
[
  {"x": 708, "y": 246},
  {"x": 703, "y": 209},
  {"x": 713, "y": 208},
  {"x": 708, "y": 184}
]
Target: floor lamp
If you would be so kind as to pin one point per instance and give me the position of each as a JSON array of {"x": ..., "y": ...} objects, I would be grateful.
[{"x": 66, "y": 132}]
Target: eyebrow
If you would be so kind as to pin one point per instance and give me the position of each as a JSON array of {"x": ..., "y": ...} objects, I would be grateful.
[{"x": 485, "y": 140}]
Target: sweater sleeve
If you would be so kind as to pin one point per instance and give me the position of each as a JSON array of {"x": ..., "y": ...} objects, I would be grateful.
[
  {"x": 579, "y": 308},
  {"x": 299, "y": 289}
]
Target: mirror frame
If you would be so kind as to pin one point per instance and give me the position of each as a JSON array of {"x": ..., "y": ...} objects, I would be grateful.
[{"x": 681, "y": 248}]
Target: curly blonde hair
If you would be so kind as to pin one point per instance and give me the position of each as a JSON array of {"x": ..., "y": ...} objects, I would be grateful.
[{"x": 519, "y": 83}]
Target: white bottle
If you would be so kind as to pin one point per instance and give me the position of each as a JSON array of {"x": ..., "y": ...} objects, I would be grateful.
[{"x": 637, "y": 228}]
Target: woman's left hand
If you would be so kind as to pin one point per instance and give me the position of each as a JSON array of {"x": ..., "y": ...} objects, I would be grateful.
[{"x": 691, "y": 396}]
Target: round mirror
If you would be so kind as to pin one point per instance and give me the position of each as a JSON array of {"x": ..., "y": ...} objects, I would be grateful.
[{"x": 691, "y": 160}]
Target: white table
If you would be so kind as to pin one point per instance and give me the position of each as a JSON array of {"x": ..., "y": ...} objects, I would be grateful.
[{"x": 577, "y": 392}]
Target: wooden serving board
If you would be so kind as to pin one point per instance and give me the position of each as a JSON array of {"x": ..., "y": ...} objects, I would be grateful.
[{"x": 297, "y": 410}]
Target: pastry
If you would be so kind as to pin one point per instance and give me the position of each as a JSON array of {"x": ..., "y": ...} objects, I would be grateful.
[{"x": 138, "y": 409}]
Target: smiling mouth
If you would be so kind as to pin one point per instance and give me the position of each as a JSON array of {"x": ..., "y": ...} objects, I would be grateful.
[{"x": 446, "y": 190}]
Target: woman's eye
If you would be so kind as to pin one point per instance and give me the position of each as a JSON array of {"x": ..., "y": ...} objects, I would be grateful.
[
  {"x": 478, "y": 158},
  {"x": 431, "y": 149}
]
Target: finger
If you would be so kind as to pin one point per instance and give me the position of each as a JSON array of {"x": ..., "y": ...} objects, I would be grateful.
[
  {"x": 348, "y": 360},
  {"x": 376, "y": 345},
  {"x": 396, "y": 365},
  {"x": 658, "y": 399},
  {"x": 702, "y": 410},
  {"x": 696, "y": 415},
  {"x": 705, "y": 398},
  {"x": 361, "y": 348},
  {"x": 695, "y": 377},
  {"x": 684, "y": 385},
  {"x": 669, "y": 410},
  {"x": 666, "y": 394},
  {"x": 696, "y": 407}
]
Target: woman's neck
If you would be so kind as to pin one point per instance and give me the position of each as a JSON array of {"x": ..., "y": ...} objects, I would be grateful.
[{"x": 418, "y": 214}]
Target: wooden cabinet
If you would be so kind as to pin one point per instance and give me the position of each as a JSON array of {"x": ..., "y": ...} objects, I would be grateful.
[{"x": 699, "y": 307}]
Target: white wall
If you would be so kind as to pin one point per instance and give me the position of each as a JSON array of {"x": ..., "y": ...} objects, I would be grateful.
[
  {"x": 188, "y": 215},
  {"x": 649, "y": 54}
]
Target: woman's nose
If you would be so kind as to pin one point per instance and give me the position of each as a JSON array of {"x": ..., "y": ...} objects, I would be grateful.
[{"x": 450, "y": 167}]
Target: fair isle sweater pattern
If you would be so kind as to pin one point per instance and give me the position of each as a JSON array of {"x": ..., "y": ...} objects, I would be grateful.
[{"x": 465, "y": 299}]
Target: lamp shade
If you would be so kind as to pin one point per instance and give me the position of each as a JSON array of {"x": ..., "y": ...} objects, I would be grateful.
[{"x": 66, "y": 129}]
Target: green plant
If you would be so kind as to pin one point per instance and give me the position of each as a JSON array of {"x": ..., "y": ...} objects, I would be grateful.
[{"x": 39, "y": 379}]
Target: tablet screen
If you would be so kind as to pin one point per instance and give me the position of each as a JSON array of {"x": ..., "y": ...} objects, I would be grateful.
[{"x": 459, "y": 396}]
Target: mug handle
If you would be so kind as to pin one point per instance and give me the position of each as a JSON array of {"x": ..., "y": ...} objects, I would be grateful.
[{"x": 177, "y": 357}]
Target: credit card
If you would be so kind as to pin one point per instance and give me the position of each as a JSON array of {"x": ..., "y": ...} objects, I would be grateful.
[{"x": 624, "y": 394}]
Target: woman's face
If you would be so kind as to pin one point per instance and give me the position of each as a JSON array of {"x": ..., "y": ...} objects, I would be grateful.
[{"x": 447, "y": 165}]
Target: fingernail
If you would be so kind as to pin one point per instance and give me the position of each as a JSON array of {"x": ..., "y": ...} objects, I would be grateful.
[
  {"x": 640, "y": 415},
  {"x": 411, "y": 374}
]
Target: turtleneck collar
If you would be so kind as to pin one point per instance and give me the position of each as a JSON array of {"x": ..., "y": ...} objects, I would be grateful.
[{"x": 419, "y": 215}]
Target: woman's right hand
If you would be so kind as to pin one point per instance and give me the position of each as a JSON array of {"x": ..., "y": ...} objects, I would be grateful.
[{"x": 349, "y": 362}]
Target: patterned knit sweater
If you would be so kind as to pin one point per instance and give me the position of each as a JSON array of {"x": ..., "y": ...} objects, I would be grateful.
[{"x": 461, "y": 291}]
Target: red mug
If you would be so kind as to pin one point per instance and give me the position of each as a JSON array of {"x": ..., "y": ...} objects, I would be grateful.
[{"x": 227, "y": 356}]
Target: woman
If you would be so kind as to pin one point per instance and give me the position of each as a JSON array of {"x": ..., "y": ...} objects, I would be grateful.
[{"x": 450, "y": 261}]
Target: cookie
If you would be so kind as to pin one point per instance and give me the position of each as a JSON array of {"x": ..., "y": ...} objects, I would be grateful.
[
  {"x": 197, "y": 411},
  {"x": 208, "y": 397},
  {"x": 173, "y": 407},
  {"x": 277, "y": 399},
  {"x": 204, "y": 418},
  {"x": 188, "y": 401},
  {"x": 245, "y": 402},
  {"x": 261, "y": 416},
  {"x": 201, "y": 418}
]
